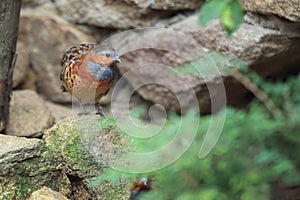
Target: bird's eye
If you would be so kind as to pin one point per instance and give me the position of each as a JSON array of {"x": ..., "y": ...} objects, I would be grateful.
[{"x": 107, "y": 54}]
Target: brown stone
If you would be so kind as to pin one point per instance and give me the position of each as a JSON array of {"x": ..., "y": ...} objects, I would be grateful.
[
  {"x": 110, "y": 14},
  {"x": 25, "y": 166},
  {"x": 29, "y": 115},
  {"x": 289, "y": 9},
  {"x": 59, "y": 112},
  {"x": 64, "y": 160},
  {"x": 46, "y": 194}
]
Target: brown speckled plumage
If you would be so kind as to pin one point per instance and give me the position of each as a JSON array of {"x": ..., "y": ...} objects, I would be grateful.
[
  {"x": 70, "y": 63},
  {"x": 88, "y": 71}
]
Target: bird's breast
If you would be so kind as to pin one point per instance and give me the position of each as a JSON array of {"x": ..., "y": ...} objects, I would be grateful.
[{"x": 100, "y": 72}]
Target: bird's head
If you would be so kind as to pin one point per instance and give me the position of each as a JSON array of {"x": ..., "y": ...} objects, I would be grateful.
[{"x": 107, "y": 54}]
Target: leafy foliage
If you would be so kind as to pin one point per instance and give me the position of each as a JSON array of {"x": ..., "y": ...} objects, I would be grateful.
[
  {"x": 229, "y": 11},
  {"x": 253, "y": 151}
]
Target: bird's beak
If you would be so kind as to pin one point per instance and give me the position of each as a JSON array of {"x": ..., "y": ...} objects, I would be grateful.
[{"x": 117, "y": 59}]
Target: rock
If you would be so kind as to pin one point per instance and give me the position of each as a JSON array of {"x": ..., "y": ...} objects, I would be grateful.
[
  {"x": 51, "y": 38},
  {"x": 29, "y": 115},
  {"x": 59, "y": 111},
  {"x": 22, "y": 65},
  {"x": 29, "y": 82},
  {"x": 167, "y": 4},
  {"x": 70, "y": 139},
  {"x": 273, "y": 22},
  {"x": 263, "y": 49},
  {"x": 109, "y": 14},
  {"x": 25, "y": 166},
  {"x": 63, "y": 161},
  {"x": 289, "y": 9},
  {"x": 46, "y": 194}
]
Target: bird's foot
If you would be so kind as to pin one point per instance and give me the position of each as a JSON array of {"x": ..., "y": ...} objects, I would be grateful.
[{"x": 101, "y": 112}]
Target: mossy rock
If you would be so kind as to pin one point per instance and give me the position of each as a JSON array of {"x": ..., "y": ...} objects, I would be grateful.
[
  {"x": 26, "y": 165},
  {"x": 73, "y": 141},
  {"x": 63, "y": 160}
]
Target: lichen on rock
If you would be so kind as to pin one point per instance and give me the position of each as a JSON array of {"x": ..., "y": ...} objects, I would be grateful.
[
  {"x": 60, "y": 161},
  {"x": 70, "y": 141}
]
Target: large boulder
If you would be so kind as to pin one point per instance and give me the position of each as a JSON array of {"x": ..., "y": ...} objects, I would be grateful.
[
  {"x": 265, "y": 50},
  {"x": 121, "y": 14},
  {"x": 69, "y": 141},
  {"x": 62, "y": 162},
  {"x": 25, "y": 166}
]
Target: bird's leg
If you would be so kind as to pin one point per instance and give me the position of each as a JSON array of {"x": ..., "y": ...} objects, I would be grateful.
[
  {"x": 100, "y": 111},
  {"x": 84, "y": 111}
]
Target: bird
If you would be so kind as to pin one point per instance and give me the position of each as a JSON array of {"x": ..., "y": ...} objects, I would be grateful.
[
  {"x": 140, "y": 185},
  {"x": 88, "y": 72}
]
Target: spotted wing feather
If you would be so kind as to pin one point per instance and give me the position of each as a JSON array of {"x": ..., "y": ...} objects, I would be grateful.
[{"x": 70, "y": 62}]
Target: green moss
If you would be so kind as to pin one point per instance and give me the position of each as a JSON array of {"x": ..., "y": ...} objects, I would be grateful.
[
  {"x": 108, "y": 191},
  {"x": 66, "y": 145},
  {"x": 24, "y": 187},
  {"x": 75, "y": 149},
  {"x": 18, "y": 187},
  {"x": 61, "y": 153},
  {"x": 78, "y": 155}
]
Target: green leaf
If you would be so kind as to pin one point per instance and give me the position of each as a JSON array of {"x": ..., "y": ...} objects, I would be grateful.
[
  {"x": 232, "y": 16},
  {"x": 211, "y": 10}
]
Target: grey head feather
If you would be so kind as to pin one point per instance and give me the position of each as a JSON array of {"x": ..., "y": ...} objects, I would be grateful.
[{"x": 107, "y": 52}]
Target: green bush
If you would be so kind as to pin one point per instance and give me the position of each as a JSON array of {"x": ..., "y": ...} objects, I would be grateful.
[{"x": 253, "y": 151}]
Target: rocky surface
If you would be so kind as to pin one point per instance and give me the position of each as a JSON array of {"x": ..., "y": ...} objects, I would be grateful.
[
  {"x": 115, "y": 14},
  {"x": 264, "y": 50},
  {"x": 60, "y": 161},
  {"x": 29, "y": 114},
  {"x": 60, "y": 112},
  {"x": 46, "y": 45},
  {"x": 68, "y": 141},
  {"x": 167, "y": 4},
  {"x": 26, "y": 167},
  {"x": 262, "y": 45},
  {"x": 289, "y": 9},
  {"x": 47, "y": 194}
]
